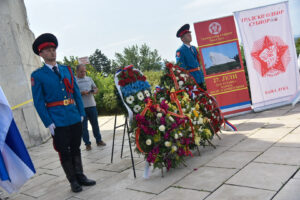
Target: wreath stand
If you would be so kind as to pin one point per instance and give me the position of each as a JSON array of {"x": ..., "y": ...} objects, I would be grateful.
[{"x": 125, "y": 129}]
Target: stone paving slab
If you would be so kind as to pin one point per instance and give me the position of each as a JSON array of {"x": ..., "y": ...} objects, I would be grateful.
[
  {"x": 206, "y": 178},
  {"x": 296, "y": 130},
  {"x": 250, "y": 127},
  {"x": 206, "y": 155},
  {"x": 109, "y": 186},
  {"x": 233, "y": 159},
  {"x": 251, "y": 144},
  {"x": 38, "y": 180},
  {"x": 290, "y": 140},
  {"x": 289, "y": 120},
  {"x": 228, "y": 139},
  {"x": 263, "y": 176},
  {"x": 156, "y": 183},
  {"x": 277, "y": 133},
  {"x": 254, "y": 163},
  {"x": 47, "y": 186},
  {"x": 290, "y": 191},
  {"x": 280, "y": 155},
  {"x": 230, "y": 192},
  {"x": 125, "y": 194},
  {"x": 179, "y": 193},
  {"x": 24, "y": 197},
  {"x": 297, "y": 175},
  {"x": 56, "y": 172}
]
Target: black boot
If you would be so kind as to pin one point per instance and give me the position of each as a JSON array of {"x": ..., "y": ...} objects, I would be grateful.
[
  {"x": 82, "y": 179},
  {"x": 71, "y": 176}
]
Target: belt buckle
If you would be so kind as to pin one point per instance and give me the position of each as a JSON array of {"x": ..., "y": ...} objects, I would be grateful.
[{"x": 66, "y": 102}]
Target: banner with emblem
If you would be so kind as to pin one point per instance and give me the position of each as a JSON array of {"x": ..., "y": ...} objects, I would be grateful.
[
  {"x": 222, "y": 64},
  {"x": 270, "y": 54}
]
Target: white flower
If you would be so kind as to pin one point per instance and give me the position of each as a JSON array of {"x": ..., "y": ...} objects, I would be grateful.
[
  {"x": 167, "y": 143},
  {"x": 140, "y": 96},
  {"x": 192, "y": 108},
  {"x": 161, "y": 99},
  {"x": 194, "y": 122},
  {"x": 176, "y": 136},
  {"x": 200, "y": 120},
  {"x": 182, "y": 75},
  {"x": 175, "y": 111},
  {"x": 195, "y": 118},
  {"x": 180, "y": 134},
  {"x": 171, "y": 119},
  {"x": 180, "y": 83},
  {"x": 148, "y": 142},
  {"x": 147, "y": 93},
  {"x": 210, "y": 101},
  {"x": 162, "y": 128},
  {"x": 130, "y": 99},
  {"x": 159, "y": 115},
  {"x": 177, "y": 78},
  {"x": 137, "y": 108},
  {"x": 178, "y": 71},
  {"x": 174, "y": 148},
  {"x": 183, "y": 109}
]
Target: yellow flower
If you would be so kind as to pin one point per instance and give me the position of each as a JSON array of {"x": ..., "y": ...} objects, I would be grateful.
[
  {"x": 197, "y": 140},
  {"x": 207, "y": 133},
  {"x": 197, "y": 106},
  {"x": 156, "y": 138},
  {"x": 195, "y": 113}
]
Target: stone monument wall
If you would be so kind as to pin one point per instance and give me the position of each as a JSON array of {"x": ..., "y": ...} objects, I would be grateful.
[{"x": 17, "y": 61}]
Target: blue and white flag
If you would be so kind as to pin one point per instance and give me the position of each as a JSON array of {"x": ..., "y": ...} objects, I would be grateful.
[{"x": 16, "y": 166}]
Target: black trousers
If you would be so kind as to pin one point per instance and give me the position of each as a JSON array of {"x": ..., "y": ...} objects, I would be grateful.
[{"x": 67, "y": 140}]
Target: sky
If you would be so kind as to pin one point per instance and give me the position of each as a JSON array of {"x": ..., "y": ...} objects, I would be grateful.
[
  {"x": 230, "y": 50},
  {"x": 111, "y": 25}
]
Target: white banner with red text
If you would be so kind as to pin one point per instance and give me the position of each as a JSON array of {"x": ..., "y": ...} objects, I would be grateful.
[{"x": 270, "y": 55}]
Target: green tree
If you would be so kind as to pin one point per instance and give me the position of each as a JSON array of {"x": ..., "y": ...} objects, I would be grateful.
[
  {"x": 72, "y": 61},
  {"x": 142, "y": 58},
  {"x": 298, "y": 46},
  {"x": 100, "y": 62}
]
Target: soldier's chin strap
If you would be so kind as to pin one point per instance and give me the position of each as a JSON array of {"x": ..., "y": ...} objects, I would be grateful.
[{"x": 69, "y": 86}]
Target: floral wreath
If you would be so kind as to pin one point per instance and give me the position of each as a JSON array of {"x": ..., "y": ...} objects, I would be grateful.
[{"x": 173, "y": 120}]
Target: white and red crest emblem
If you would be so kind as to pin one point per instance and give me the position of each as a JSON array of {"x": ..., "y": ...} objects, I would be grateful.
[
  {"x": 215, "y": 28},
  {"x": 270, "y": 56}
]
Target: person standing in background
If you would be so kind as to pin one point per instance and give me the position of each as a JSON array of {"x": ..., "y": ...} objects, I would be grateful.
[{"x": 87, "y": 89}]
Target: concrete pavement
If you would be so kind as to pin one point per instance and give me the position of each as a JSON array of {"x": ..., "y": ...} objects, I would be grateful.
[{"x": 260, "y": 162}]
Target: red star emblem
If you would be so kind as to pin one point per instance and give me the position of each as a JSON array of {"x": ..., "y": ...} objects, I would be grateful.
[{"x": 270, "y": 56}]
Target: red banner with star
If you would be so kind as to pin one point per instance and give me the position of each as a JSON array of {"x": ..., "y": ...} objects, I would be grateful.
[
  {"x": 270, "y": 54},
  {"x": 222, "y": 64}
]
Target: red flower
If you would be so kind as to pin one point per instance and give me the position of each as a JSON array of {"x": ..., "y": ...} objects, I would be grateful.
[
  {"x": 122, "y": 83},
  {"x": 203, "y": 100},
  {"x": 130, "y": 72},
  {"x": 169, "y": 65}
]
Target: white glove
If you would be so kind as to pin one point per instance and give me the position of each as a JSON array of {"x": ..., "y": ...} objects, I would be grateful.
[
  {"x": 82, "y": 118},
  {"x": 51, "y": 128}
]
